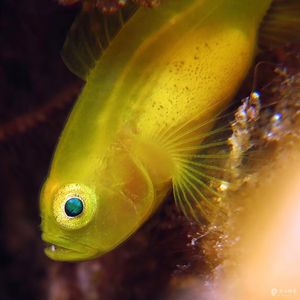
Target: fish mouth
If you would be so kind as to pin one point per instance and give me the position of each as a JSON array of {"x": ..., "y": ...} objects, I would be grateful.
[
  {"x": 61, "y": 252},
  {"x": 55, "y": 248}
]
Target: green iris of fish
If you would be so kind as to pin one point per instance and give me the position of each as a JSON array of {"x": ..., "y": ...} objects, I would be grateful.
[{"x": 138, "y": 126}]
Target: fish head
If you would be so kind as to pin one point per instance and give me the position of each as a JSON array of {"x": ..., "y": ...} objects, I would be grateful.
[{"x": 84, "y": 220}]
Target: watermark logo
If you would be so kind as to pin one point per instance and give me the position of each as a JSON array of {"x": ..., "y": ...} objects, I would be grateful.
[{"x": 279, "y": 292}]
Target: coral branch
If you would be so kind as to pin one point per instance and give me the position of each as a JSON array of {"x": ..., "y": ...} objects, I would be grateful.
[
  {"x": 111, "y": 6},
  {"x": 29, "y": 120}
]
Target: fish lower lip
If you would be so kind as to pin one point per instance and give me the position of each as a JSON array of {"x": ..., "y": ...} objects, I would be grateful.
[
  {"x": 52, "y": 248},
  {"x": 60, "y": 253},
  {"x": 55, "y": 248}
]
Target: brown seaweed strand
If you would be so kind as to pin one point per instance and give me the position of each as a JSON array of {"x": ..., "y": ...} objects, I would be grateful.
[{"x": 27, "y": 121}]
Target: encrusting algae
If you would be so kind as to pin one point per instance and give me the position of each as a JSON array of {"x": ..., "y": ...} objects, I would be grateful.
[{"x": 140, "y": 125}]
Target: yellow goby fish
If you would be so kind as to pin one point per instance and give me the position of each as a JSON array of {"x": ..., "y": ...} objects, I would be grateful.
[{"x": 137, "y": 127}]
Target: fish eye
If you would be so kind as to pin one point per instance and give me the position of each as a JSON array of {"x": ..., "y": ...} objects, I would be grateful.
[{"x": 73, "y": 207}]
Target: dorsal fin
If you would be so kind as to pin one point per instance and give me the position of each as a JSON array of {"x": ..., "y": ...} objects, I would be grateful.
[
  {"x": 281, "y": 24},
  {"x": 90, "y": 35}
]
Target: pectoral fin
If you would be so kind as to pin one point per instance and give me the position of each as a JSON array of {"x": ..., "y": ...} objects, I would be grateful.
[{"x": 199, "y": 154}]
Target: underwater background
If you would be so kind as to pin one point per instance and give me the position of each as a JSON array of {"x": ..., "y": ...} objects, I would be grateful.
[{"x": 36, "y": 95}]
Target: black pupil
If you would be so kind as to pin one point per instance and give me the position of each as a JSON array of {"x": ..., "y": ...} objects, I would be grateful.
[{"x": 73, "y": 207}]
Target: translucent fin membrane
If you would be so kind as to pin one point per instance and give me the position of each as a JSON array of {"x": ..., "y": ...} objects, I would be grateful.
[
  {"x": 208, "y": 158},
  {"x": 200, "y": 152},
  {"x": 90, "y": 35},
  {"x": 281, "y": 24}
]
